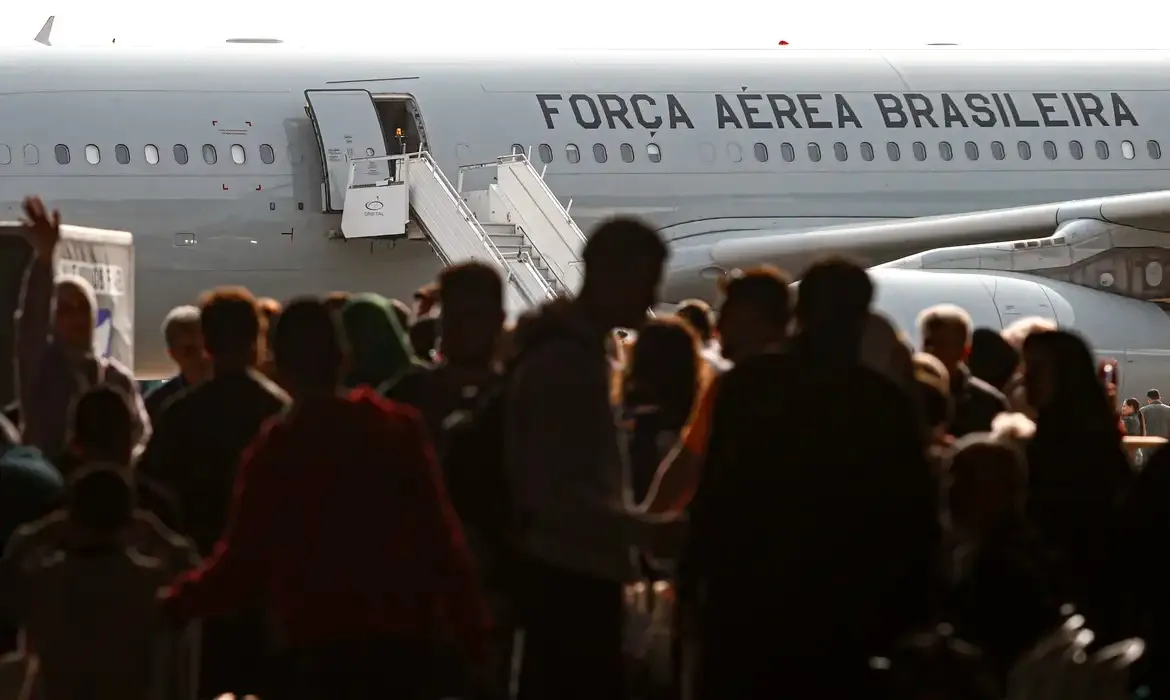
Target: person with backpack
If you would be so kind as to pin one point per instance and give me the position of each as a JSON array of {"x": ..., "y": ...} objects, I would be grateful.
[
  {"x": 568, "y": 473},
  {"x": 54, "y": 343}
]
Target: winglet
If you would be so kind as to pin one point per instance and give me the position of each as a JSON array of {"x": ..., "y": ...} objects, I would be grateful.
[{"x": 43, "y": 35}]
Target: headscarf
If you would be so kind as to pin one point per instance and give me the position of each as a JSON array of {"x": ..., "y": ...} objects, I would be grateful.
[{"x": 380, "y": 352}]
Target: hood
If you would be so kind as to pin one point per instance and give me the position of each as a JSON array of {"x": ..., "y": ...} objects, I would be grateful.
[{"x": 379, "y": 347}]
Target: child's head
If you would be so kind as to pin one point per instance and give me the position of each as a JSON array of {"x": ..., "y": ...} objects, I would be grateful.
[
  {"x": 102, "y": 428},
  {"x": 100, "y": 500},
  {"x": 988, "y": 481}
]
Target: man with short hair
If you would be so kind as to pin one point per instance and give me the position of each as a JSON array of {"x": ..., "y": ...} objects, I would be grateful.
[
  {"x": 1156, "y": 414},
  {"x": 756, "y": 310},
  {"x": 196, "y": 447},
  {"x": 945, "y": 331},
  {"x": 567, "y": 470},
  {"x": 184, "y": 338}
]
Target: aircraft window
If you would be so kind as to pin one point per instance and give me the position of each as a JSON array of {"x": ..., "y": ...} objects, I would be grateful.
[
  {"x": 814, "y": 152},
  {"x": 627, "y": 153},
  {"x": 544, "y": 150},
  {"x": 654, "y": 153},
  {"x": 919, "y": 150},
  {"x": 840, "y": 151},
  {"x": 180, "y": 152},
  {"x": 787, "y": 152},
  {"x": 573, "y": 153},
  {"x": 1074, "y": 147},
  {"x": 1151, "y": 146},
  {"x": 944, "y": 150},
  {"x": 1050, "y": 150},
  {"x": 1025, "y": 150},
  {"x": 239, "y": 156},
  {"x": 6, "y": 154},
  {"x": 151, "y": 153},
  {"x": 267, "y": 155},
  {"x": 1102, "y": 150},
  {"x": 972, "y": 150},
  {"x": 1127, "y": 150},
  {"x": 122, "y": 154},
  {"x": 734, "y": 152},
  {"x": 209, "y": 156},
  {"x": 517, "y": 149},
  {"x": 893, "y": 152},
  {"x": 866, "y": 151},
  {"x": 32, "y": 155},
  {"x": 997, "y": 151},
  {"x": 761, "y": 151},
  {"x": 62, "y": 152},
  {"x": 599, "y": 153},
  {"x": 93, "y": 155}
]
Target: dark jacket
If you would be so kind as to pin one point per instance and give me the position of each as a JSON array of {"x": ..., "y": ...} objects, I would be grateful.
[
  {"x": 157, "y": 399},
  {"x": 977, "y": 403},
  {"x": 198, "y": 442},
  {"x": 833, "y": 541},
  {"x": 563, "y": 448},
  {"x": 1004, "y": 603}
]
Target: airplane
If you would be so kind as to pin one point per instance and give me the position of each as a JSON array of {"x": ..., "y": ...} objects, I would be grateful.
[{"x": 235, "y": 164}]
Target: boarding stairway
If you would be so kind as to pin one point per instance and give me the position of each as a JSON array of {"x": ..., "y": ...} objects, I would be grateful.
[{"x": 517, "y": 224}]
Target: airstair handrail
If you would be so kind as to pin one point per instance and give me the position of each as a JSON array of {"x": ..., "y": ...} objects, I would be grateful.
[
  {"x": 532, "y": 244},
  {"x": 520, "y": 157},
  {"x": 497, "y": 257}
]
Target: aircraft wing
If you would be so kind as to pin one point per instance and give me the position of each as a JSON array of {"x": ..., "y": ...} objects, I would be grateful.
[{"x": 883, "y": 241}]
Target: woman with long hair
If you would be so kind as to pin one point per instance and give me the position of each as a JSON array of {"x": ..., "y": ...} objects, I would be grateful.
[
  {"x": 1132, "y": 418},
  {"x": 1079, "y": 472}
]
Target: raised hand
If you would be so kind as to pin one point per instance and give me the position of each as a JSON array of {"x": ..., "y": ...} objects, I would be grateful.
[{"x": 42, "y": 230}]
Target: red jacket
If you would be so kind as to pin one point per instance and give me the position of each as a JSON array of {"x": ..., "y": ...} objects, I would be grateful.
[{"x": 341, "y": 525}]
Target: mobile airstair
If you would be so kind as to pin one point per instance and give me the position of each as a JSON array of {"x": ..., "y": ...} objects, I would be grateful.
[{"x": 516, "y": 225}]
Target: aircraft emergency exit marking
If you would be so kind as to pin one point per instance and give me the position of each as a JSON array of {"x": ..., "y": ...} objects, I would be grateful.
[{"x": 814, "y": 110}]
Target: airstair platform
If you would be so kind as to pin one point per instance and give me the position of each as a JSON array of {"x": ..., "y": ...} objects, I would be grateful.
[{"x": 517, "y": 224}]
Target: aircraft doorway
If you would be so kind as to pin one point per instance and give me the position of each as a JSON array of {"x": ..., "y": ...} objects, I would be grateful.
[{"x": 401, "y": 112}]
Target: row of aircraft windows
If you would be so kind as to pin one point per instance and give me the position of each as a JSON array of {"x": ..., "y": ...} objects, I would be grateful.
[
  {"x": 841, "y": 152},
  {"x": 150, "y": 153}
]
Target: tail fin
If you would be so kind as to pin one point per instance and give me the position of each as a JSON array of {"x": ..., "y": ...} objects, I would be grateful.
[{"x": 43, "y": 35}]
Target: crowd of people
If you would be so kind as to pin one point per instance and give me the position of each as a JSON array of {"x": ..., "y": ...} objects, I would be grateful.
[{"x": 357, "y": 499}]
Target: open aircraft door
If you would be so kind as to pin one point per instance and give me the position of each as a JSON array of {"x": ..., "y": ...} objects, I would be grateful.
[{"x": 347, "y": 127}]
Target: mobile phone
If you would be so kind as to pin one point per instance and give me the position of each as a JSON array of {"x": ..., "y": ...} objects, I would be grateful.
[{"x": 1108, "y": 374}]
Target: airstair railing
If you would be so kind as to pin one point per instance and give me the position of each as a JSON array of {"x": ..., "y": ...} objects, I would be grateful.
[
  {"x": 452, "y": 194},
  {"x": 564, "y": 212},
  {"x": 529, "y": 242}
]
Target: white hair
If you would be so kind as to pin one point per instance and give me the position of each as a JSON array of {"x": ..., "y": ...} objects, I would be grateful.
[
  {"x": 1012, "y": 428},
  {"x": 1018, "y": 331},
  {"x": 944, "y": 315},
  {"x": 82, "y": 286},
  {"x": 180, "y": 318}
]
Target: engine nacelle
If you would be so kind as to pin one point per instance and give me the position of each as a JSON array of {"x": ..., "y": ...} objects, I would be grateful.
[{"x": 1133, "y": 332}]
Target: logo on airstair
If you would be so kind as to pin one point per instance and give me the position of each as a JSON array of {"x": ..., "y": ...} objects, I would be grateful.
[
  {"x": 103, "y": 336},
  {"x": 374, "y": 207}
]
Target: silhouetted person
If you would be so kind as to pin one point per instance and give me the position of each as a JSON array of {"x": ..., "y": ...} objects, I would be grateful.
[
  {"x": 1002, "y": 602},
  {"x": 54, "y": 342},
  {"x": 184, "y": 338},
  {"x": 424, "y": 337},
  {"x": 1078, "y": 472},
  {"x": 341, "y": 526},
  {"x": 753, "y": 320},
  {"x": 194, "y": 453},
  {"x": 662, "y": 381},
  {"x": 992, "y": 358},
  {"x": 831, "y": 539},
  {"x": 946, "y": 333},
  {"x": 87, "y": 597},
  {"x": 567, "y": 470}
]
